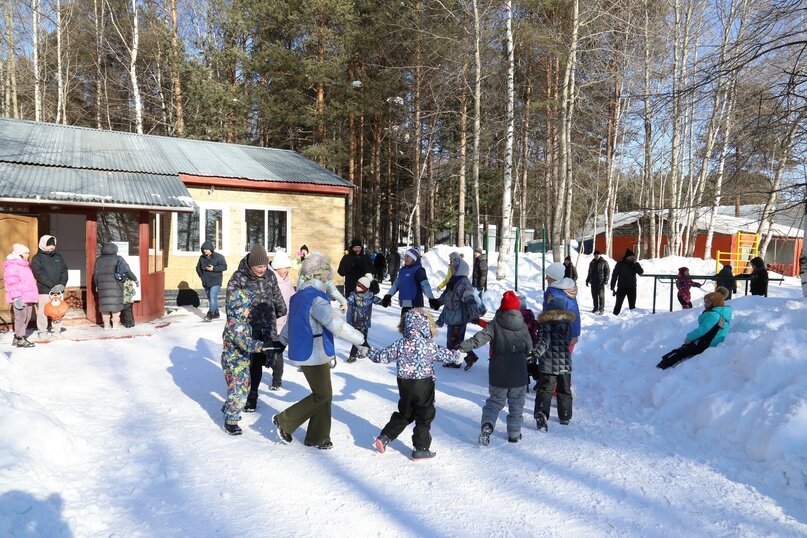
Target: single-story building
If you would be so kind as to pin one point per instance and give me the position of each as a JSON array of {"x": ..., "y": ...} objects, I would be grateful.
[
  {"x": 159, "y": 199},
  {"x": 735, "y": 237}
]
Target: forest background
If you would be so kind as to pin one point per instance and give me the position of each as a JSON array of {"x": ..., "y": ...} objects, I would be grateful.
[{"x": 450, "y": 114}]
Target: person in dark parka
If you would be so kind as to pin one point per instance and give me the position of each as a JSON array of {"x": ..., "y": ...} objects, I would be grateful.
[
  {"x": 253, "y": 275},
  {"x": 109, "y": 288},
  {"x": 380, "y": 267},
  {"x": 210, "y": 267},
  {"x": 623, "y": 280},
  {"x": 479, "y": 276},
  {"x": 598, "y": 273},
  {"x": 49, "y": 269},
  {"x": 570, "y": 271},
  {"x": 393, "y": 264},
  {"x": 354, "y": 265},
  {"x": 725, "y": 278},
  {"x": 759, "y": 277}
]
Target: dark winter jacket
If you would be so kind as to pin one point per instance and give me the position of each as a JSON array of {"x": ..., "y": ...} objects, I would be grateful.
[
  {"x": 415, "y": 352},
  {"x": 110, "y": 289},
  {"x": 380, "y": 262},
  {"x": 360, "y": 309},
  {"x": 726, "y": 279},
  {"x": 598, "y": 273},
  {"x": 49, "y": 270},
  {"x": 268, "y": 303},
  {"x": 457, "y": 295},
  {"x": 566, "y": 290},
  {"x": 511, "y": 342},
  {"x": 759, "y": 277},
  {"x": 570, "y": 271},
  {"x": 354, "y": 266},
  {"x": 625, "y": 272},
  {"x": 479, "y": 278},
  {"x": 554, "y": 337},
  {"x": 213, "y": 277},
  {"x": 393, "y": 264}
]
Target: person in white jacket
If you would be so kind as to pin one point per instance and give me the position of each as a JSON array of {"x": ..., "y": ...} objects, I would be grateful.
[
  {"x": 281, "y": 264},
  {"x": 309, "y": 334}
]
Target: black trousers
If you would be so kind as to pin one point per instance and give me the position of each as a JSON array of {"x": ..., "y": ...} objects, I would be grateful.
[
  {"x": 598, "y": 296},
  {"x": 277, "y": 370},
  {"x": 547, "y": 384},
  {"x": 256, "y": 362},
  {"x": 416, "y": 405},
  {"x": 621, "y": 293}
]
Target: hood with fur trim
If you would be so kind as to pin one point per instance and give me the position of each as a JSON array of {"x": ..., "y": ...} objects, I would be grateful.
[{"x": 556, "y": 315}]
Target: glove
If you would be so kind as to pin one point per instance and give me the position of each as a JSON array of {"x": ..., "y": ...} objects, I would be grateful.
[
  {"x": 273, "y": 352},
  {"x": 58, "y": 288},
  {"x": 470, "y": 359},
  {"x": 386, "y": 301},
  {"x": 18, "y": 303},
  {"x": 375, "y": 289},
  {"x": 434, "y": 304},
  {"x": 362, "y": 352},
  {"x": 343, "y": 308}
]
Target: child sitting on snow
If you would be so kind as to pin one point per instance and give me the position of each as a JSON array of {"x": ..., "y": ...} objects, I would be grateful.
[
  {"x": 235, "y": 356},
  {"x": 414, "y": 355},
  {"x": 360, "y": 310},
  {"x": 554, "y": 359},
  {"x": 507, "y": 375}
]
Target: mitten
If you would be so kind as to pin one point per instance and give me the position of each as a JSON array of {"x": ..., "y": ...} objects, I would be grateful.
[
  {"x": 18, "y": 303},
  {"x": 362, "y": 352},
  {"x": 58, "y": 288},
  {"x": 435, "y": 304},
  {"x": 386, "y": 301},
  {"x": 470, "y": 359}
]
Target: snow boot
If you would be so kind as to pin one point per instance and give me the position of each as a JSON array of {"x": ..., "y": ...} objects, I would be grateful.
[
  {"x": 541, "y": 422},
  {"x": 208, "y": 317},
  {"x": 250, "y": 406},
  {"x": 422, "y": 454},
  {"x": 484, "y": 437},
  {"x": 22, "y": 342},
  {"x": 351, "y": 359},
  {"x": 282, "y": 434},
  {"x": 325, "y": 445},
  {"x": 381, "y": 443},
  {"x": 514, "y": 438},
  {"x": 276, "y": 386},
  {"x": 232, "y": 429}
]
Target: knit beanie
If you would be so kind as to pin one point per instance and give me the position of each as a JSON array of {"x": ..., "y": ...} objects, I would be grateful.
[
  {"x": 555, "y": 303},
  {"x": 356, "y": 242},
  {"x": 509, "y": 301},
  {"x": 556, "y": 271},
  {"x": 281, "y": 261},
  {"x": 18, "y": 249},
  {"x": 413, "y": 253},
  {"x": 365, "y": 281},
  {"x": 629, "y": 253},
  {"x": 257, "y": 256}
]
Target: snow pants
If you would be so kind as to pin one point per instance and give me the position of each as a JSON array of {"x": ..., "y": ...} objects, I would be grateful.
[
  {"x": 562, "y": 384},
  {"x": 236, "y": 375},
  {"x": 514, "y": 398},
  {"x": 415, "y": 405},
  {"x": 314, "y": 408}
]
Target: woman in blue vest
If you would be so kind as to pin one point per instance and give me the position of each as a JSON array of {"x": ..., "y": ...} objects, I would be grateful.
[
  {"x": 309, "y": 332},
  {"x": 411, "y": 285}
]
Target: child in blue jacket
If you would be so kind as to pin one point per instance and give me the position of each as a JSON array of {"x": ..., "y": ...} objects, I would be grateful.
[{"x": 360, "y": 310}]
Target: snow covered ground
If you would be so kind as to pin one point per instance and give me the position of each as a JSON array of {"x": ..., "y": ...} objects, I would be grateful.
[{"x": 123, "y": 437}]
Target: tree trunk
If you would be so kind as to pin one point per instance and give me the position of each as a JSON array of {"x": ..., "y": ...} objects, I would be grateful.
[
  {"x": 176, "y": 87},
  {"x": 462, "y": 156},
  {"x": 351, "y": 176},
  {"x": 135, "y": 48},
  {"x": 567, "y": 112},
  {"x": 35, "y": 51},
  {"x": 507, "y": 190},
  {"x": 416, "y": 134},
  {"x": 525, "y": 154},
  {"x": 648, "y": 136},
  {"x": 12, "y": 106},
  {"x": 477, "y": 233}
]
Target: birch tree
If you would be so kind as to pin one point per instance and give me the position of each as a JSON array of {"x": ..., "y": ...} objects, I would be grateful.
[
  {"x": 477, "y": 234},
  {"x": 507, "y": 191},
  {"x": 133, "y": 49},
  {"x": 35, "y": 26}
]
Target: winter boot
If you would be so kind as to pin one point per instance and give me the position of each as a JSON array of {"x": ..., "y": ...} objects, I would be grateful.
[
  {"x": 217, "y": 315},
  {"x": 422, "y": 454},
  {"x": 325, "y": 445},
  {"x": 541, "y": 422},
  {"x": 22, "y": 342},
  {"x": 514, "y": 438},
  {"x": 484, "y": 437},
  {"x": 351, "y": 359},
  {"x": 381, "y": 443},
  {"x": 208, "y": 317},
  {"x": 250, "y": 406},
  {"x": 282, "y": 434},
  {"x": 15, "y": 342},
  {"x": 276, "y": 386},
  {"x": 232, "y": 429}
]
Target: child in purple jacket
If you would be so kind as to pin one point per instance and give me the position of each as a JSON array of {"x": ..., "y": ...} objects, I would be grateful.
[{"x": 414, "y": 354}]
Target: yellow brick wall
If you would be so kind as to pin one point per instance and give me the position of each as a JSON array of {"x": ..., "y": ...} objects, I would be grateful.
[{"x": 317, "y": 221}]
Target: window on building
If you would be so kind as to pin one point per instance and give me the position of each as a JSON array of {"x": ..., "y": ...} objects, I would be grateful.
[
  {"x": 121, "y": 228},
  {"x": 204, "y": 224},
  {"x": 269, "y": 227}
]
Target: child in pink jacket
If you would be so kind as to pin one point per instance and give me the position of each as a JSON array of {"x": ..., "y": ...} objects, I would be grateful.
[{"x": 21, "y": 291}]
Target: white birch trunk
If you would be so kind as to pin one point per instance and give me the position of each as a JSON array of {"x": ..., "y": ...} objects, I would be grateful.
[
  {"x": 507, "y": 191},
  {"x": 567, "y": 111},
  {"x": 35, "y": 52},
  {"x": 59, "y": 72},
  {"x": 477, "y": 235},
  {"x": 138, "y": 104}
]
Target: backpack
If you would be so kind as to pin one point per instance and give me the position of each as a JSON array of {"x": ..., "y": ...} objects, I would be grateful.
[
  {"x": 121, "y": 270},
  {"x": 472, "y": 306}
]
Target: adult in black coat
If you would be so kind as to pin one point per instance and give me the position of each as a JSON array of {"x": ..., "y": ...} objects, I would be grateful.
[
  {"x": 569, "y": 270},
  {"x": 109, "y": 288},
  {"x": 759, "y": 277},
  {"x": 598, "y": 273},
  {"x": 210, "y": 267},
  {"x": 624, "y": 280},
  {"x": 380, "y": 263},
  {"x": 393, "y": 264},
  {"x": 354, "y": 265},
  {"x": 479, "y": 279},
  {"x": 726, "y": 279},
  {"x": 49, "y": 270}
]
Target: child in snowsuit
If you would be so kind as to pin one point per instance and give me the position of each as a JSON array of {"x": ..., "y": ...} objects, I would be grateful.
[
  {"x": 684, "y": 284},
  {"x": 507, "y": 374},
  {"x": 238, "y": 344},
  {"x": 554, "y": 360},
  {"x": 360, "y": 310},
  {"x": 414, "y": 355}
]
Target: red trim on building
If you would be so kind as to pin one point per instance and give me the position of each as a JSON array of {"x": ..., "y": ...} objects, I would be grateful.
[{"x": 263, "y": 185}]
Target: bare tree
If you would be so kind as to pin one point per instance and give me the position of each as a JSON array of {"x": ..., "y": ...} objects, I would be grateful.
[{"x": 507, "y": 190}]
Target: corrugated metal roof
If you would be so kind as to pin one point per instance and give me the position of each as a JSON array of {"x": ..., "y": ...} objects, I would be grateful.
[
  {"x": 50, "y": 144},
  {"x": 39, "y": 184}
]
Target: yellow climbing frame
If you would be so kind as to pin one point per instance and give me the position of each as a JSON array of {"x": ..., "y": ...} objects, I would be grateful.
[{"x": 745, "y": 247}]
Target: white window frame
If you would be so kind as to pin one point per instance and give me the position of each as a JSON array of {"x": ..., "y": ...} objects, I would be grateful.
[
  {"x": 225, "y": 226},
  {"x": 244, "y": 210}
]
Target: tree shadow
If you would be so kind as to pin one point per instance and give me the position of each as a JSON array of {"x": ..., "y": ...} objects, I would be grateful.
[{"x": 23, "y": 514}]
